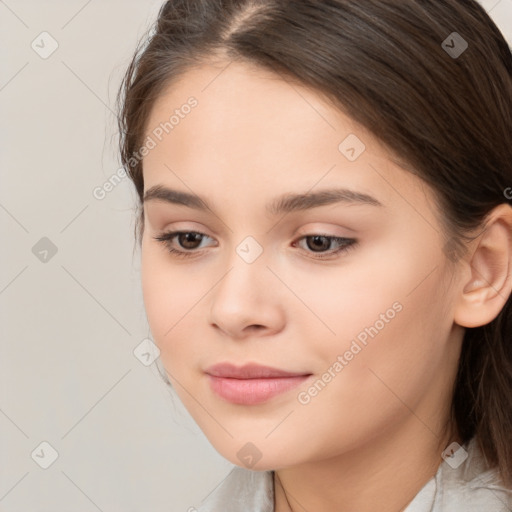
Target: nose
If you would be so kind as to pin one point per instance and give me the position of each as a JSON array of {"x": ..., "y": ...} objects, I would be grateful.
[{"x": 247, "y": 301}]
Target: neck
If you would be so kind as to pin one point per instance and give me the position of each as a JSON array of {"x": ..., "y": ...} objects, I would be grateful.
[{"x": 375, "y": 476}]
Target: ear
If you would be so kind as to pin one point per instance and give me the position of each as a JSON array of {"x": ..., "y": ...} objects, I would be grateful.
[{"x": 489, "y": 266}]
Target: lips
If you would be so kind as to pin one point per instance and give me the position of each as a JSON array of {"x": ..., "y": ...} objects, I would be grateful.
[
  {"x": 249, "y": 371},
  {"x": 251, "y": 384}
]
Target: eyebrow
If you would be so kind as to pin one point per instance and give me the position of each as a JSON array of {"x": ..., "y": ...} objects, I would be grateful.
[{"x": 286, "y": 203}]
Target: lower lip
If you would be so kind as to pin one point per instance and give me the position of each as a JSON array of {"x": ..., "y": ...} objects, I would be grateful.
[{"x": 253, "y": 391}]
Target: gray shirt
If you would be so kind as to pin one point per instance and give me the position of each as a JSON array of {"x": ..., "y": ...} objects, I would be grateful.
[{"x": 468, "y": 487}]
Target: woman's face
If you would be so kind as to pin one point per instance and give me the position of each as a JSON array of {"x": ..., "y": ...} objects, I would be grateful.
[{"x": 366, "y": 335}]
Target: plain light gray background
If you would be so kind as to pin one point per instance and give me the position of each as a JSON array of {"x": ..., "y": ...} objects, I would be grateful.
[{"x": 72, "y": 319}]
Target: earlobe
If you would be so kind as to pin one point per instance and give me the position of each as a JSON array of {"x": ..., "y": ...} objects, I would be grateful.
[{"x": 489, "y": 285}]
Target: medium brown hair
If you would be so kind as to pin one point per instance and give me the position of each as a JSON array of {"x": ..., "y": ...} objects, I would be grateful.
[{"x": 447, "y": 118}]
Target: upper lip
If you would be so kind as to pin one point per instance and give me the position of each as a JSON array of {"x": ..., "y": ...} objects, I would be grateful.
[{"x": 249, "y": 371}]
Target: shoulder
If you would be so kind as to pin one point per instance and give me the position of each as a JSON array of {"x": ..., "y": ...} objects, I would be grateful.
[
  {"x": 464, "y": 485},
  {"x": 242, "y": 490}
]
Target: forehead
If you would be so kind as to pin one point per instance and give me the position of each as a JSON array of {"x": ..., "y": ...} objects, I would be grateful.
[
  {"x": 243, "y": 106},
  {"x": 254, "y": 129}
]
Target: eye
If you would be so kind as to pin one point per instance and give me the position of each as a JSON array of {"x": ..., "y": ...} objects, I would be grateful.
[
  {"x": 188, "y": 240},
  {"x": 189, "y": 243},
  {"x": 319, "y": 242}
]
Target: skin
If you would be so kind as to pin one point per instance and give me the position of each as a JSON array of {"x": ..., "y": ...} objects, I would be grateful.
[{"x": 381, "y": 424}]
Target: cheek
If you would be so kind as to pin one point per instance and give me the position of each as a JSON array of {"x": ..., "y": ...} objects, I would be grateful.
[
  {"x": 167, "y": 292},
  {"x": 384, "y": 377},
  {"x": 390, "y": 319},
  {"x": 156, "y": 290},
  {"x": 174, "y": 300},
  {"x": 359, "y": 299}
]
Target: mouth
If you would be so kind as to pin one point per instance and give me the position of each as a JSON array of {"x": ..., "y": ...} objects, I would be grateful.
[{"x": 252, "y": 384}]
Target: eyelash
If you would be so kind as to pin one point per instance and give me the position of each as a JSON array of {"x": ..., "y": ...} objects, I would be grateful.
[{"x": 166, "y": 239}]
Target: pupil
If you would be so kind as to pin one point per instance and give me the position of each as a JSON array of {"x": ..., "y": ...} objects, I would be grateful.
[
  {"x": 189, "y": 238},
  {"x": 317, "y": 238},
  {"x": 320, "y": 242}
]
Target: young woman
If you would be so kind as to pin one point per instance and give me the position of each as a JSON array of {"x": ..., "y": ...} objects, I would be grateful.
[{"x": 326, "y": 242}]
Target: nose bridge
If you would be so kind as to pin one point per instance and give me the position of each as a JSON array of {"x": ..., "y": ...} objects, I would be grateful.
[
  {"x": 249, "y": 250},
  {"x": 247, "y": 266},
  {"x": 244, "y": 296}
]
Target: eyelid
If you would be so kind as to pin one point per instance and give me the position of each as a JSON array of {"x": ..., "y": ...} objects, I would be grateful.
[
  {"x": 302, "y": 232},
  {"x": 346, "y": 244}
]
